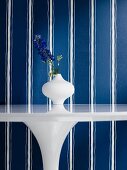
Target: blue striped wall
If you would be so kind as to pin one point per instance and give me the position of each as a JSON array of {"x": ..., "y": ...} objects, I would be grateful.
[
  {"x": 103, "y": 84},
  {"x": 82, "y": 61},
  {"x": 121, "y": 81},
  {"x": 2, "y": 77},
  {"x": 86, "y": 28},
  {"x": 40, "y": 26}
]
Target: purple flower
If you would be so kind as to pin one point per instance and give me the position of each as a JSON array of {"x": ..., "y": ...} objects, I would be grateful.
[
  {"x": 52, "y": 57},
  {"x": 41, "y": 45}
]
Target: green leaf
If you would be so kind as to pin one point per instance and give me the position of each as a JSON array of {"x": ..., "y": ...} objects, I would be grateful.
[
  {"x": 55, "y": 71},
  {"x": 59, "y": 57}
]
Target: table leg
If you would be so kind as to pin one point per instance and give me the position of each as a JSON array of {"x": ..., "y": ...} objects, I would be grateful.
[{"x": 50, "y": 136}]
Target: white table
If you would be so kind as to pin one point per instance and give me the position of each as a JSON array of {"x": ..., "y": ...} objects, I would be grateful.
[{"x": 51, "y": 127}]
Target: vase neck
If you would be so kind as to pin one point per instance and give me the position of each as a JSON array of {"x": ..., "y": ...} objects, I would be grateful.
[{"x": 58, "y": 77}]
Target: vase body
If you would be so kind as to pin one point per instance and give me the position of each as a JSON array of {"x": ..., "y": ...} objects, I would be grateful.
[{"x": 58, "y": 89}]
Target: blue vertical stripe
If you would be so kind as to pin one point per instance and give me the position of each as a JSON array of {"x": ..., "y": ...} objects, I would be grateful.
[
  {"x": 61, "y": 20},
  {"x": 18, "y": 146},
  {"x": 103, "y": 60},
  {"x": 121, "y": 145},
  {"x": 81, "y": 150},
  {"x": 102, "y": 152},
  {"x": 40, "y": 75},
  {"x": 2, "y": 50},
  {"x": 19, "y": 52},
  {"x": 2, "y": 146},
  {"x": 81, "y": 81},
  {"x": 2, "y": 77},
  {"x": 121, "y": 52},
  {"x": 82, "y": 52},
  {"x": 103, "y": 84},
  {"x": 18, "y": 81},
  {"x": 121, "y": 142},
  {"x": 37, "y": 162}
]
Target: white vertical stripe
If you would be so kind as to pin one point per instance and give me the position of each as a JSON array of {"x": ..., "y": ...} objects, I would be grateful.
[
  {"x": 71, "y": 70},
  {"x": 51, "y": 26},
  {"x": 8, "y": 147},
  {"x": 113, "y": 54},
  {"x": 8, "y": 79},
  {"x": 110, "y": 146},
  {"x": 28, "y": 147},
  {"x": 9, "y": 54},
  {"x": 71, "y": 76},
  {"x": 92, "y": 32},
  {"x": 92, "y": 55},
  {"x": 50, "y": 37},
  {"x": 92, "y": 144},
  {"x": 113, "y": 146},
  {"x": 71, "y": 42},
  {"x": 71, "y": 149},
  {"x": 30, "y": 57},
  {"x": 27, "y": 87}
]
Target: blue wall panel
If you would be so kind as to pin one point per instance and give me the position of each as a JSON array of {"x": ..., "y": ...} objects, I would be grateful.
[
  {"x": 19, "y": 57},
  {"x": 2, "y": 50},
  {"x": 40, "y": 26},
  {"x": 40, "y": 76},
  {"x": 121, "y": 145},
  {"x": 19, "y": 81},
  {"x": 102, "y": 145},
  {"x": 18, "y": 146},
  {"x": 2, "y": 77},
  {"x": 121, "y": 127},
  {"x": 2, "y": 146},
  {"x": 102, "y": 81},
  {"x": 61, "y": 21},
  {"x": 82, "y": 52},
  {"x": 121, "y": 52},
  {"x": 37, "y": 163},
  {"x": 102, "y": 52},
  {"x": 81, "y": 152},
  {"x": 81, "y": 156}
]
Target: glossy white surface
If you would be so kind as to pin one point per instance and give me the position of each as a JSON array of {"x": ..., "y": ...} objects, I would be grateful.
[
  {"x": 80, "y": 117},
  {"x": 81, "y": 113},
  {"x": 51, "y": 127}
]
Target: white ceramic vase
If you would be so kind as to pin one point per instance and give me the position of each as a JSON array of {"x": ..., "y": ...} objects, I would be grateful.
[{"x": 58, "y": 89}]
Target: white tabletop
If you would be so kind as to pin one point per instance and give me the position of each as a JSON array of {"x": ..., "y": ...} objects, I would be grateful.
[{"x": 79, "y": 113}]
